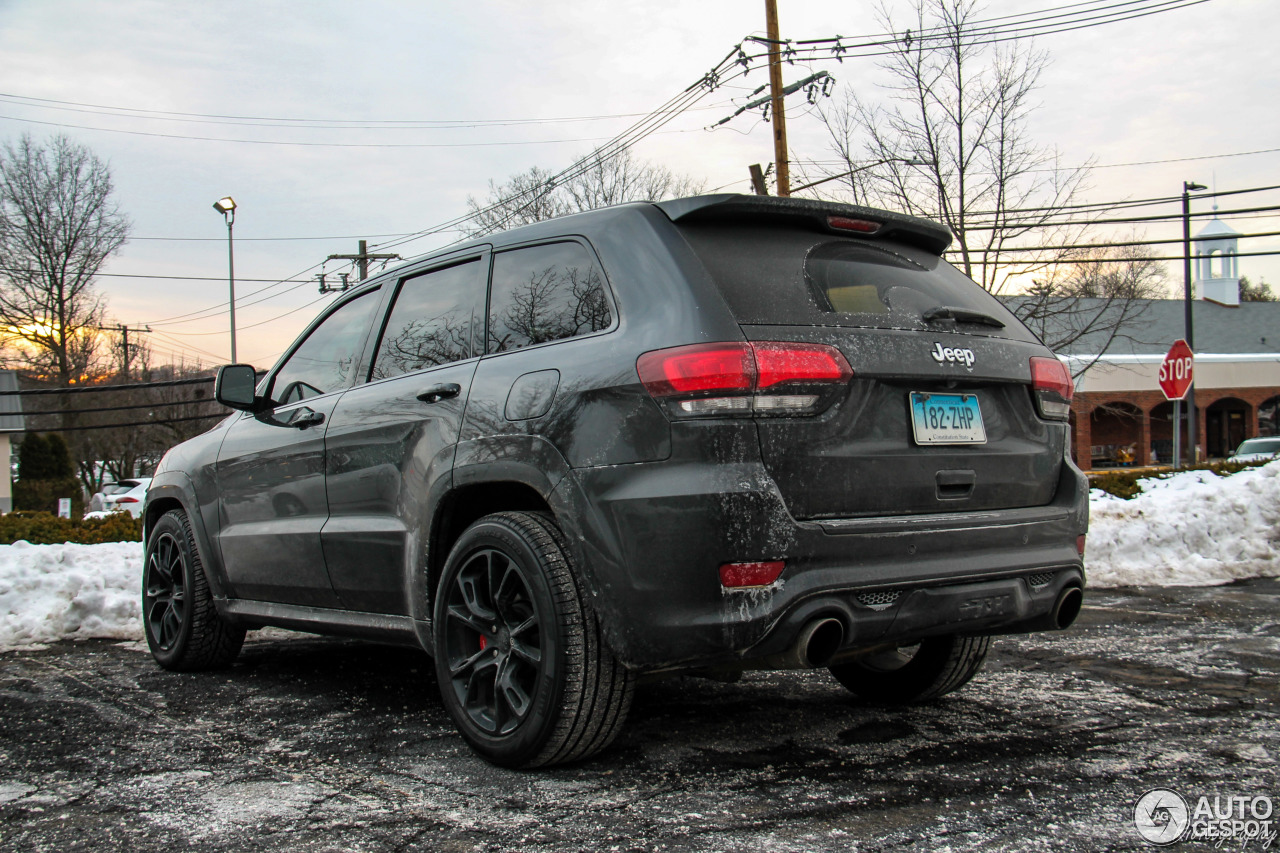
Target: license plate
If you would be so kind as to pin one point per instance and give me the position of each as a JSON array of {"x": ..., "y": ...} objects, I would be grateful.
[{"x": 947, "y": 419}]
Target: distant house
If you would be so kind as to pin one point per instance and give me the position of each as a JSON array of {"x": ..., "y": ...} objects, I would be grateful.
[
  {"x": 1120, "y": 415},
  {"x": 11, "y": 426}
]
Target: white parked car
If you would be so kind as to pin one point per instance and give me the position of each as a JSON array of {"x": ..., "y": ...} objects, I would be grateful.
[
  {"x": 123, "y": 495},
  {"x": 1257, "y": 449}
]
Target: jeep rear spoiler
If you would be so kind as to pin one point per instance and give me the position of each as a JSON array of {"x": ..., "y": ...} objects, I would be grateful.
[{"x": 731, "y": 207}]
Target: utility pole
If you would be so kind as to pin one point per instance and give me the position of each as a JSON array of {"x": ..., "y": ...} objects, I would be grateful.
[
  {"x": 362, "y": 259},
  {"x": 778, "y": 108},
  {"x": 1193, "y": 440},
  {"x": 126, "y": 355},
  {"x": 757, "y": 179}
]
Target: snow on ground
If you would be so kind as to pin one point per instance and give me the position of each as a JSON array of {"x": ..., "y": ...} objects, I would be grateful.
[
  {"x": 56, "y": 592},
  {"x": 1190, "y": 529}
]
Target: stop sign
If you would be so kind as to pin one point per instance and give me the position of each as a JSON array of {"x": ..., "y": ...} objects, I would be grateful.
[{"x": 1176, "y": 371}]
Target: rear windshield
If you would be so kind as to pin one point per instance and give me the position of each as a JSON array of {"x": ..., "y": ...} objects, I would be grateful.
[
  {"x": 1260, "y": 445},
  {"x": 773, "y": 276}
]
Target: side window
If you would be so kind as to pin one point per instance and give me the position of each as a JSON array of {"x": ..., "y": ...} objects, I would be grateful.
[
  {"x": 326, "y": 360},
  {"x": 431, "y": 320},
  {"x": 545, "y": 293}
]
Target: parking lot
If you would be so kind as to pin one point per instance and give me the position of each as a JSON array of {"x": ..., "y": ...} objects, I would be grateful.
[{"x": 319, "y": 744}]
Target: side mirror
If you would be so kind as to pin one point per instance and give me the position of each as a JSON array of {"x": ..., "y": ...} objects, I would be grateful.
[{"x": 235, "y": 385}]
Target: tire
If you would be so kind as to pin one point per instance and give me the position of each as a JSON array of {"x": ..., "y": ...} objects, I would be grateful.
[
  {"x": 933, "y": 668},
  {"x": 183, "y": 629},
  {"x": 522, "y": 666}
]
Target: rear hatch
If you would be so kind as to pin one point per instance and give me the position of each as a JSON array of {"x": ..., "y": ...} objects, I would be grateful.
[{"x": 940, "y": 415}]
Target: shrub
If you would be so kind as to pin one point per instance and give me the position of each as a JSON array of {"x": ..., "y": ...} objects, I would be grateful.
[
  {"x": 42, "y": 495},
  {"x": 1124, "y": 483},
  {"x": 45, "y": 528}
]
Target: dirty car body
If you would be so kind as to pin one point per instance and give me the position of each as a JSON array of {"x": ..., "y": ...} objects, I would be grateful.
[{"x": 754, "y": 432}]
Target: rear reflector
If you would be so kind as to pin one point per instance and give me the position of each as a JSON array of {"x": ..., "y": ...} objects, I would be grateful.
[
  {"x": 758, "y": 377},
  {"x": 845, "y": 223},
  {"x": 740, "y": 575},
  {"x": 1051, "y": 382},
  {"x": 1080, "y": 544}
]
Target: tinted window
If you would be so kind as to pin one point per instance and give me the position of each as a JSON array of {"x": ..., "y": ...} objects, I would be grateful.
[
  {"x": 326, "y": 360},
  {"x": 792, "y": 277},
  {"x": 545, "y": 293},
  {"x": 431, "y": 320}
]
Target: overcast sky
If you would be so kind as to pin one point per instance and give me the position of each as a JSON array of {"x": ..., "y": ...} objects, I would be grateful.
[{"x": 1191, "y": 85}]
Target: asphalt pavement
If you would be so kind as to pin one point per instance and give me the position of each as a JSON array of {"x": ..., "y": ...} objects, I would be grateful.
[{"x": 316, "y": 744}]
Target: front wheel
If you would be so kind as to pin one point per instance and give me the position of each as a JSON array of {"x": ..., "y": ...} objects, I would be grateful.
[
  {"x": 927, "y": 670},
  {"x": 522, "y": 666},
  {"x": 183, "y": 629}
]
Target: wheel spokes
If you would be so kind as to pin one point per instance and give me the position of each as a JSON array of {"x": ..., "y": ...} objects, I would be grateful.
[
  {"x": 512, "y": 693},
  {"x": 164, "y": 592},
  {"x": 493, "y": 648}
]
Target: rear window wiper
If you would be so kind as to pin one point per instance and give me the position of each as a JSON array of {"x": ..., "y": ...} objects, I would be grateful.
[{"x": 960, "y": 315}]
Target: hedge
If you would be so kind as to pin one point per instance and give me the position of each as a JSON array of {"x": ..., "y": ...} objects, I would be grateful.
[
  {"x": 45, "y": 528},
  {"x": 1124, "y": 483}
]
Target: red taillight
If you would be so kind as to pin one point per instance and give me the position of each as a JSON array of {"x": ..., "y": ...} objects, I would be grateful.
[
  {"x": 714, "y": 380},
  {"x": 1051, "y": 382},
  {"x": 845, "y": 223},
  {"x": 701, "y": 367},
  {"x": 126, "y": 500},
  {"x": 780, "y": 364},
  {"x": 740, "y": 575}
]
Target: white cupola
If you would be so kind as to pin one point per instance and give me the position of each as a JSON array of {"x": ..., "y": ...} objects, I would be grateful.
[{"x": 1217, "y": 271}]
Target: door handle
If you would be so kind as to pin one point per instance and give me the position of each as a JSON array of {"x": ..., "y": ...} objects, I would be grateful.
[
  {"x": 303, "y": 418},
  {"x": 444, "y": 391}
]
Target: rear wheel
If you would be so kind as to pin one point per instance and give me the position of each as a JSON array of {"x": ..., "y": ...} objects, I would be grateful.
[
  {"x": 184, "y": 631},
  {"x": 522, "y": 666},
  {"x": 931, "y": 668}
]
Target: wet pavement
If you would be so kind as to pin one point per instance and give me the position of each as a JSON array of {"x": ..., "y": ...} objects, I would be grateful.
[{"x": 330, "y": 745}]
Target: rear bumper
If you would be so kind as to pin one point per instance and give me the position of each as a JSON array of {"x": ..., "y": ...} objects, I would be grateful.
[{"x": 651, "y": 538}]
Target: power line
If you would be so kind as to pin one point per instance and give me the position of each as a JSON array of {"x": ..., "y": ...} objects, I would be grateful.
[
  {"x": 1118, "y": 245},
  {"x": 269, "y": 239},
  {"x": 344, "y": 124},
  {"x": 1144, "y": 258},
  {"x": 98, "y": 389},
  {"x": 315, "y": 144},
  {"x": 164, "y": 404},
  {"x": 138, "y": 423}
]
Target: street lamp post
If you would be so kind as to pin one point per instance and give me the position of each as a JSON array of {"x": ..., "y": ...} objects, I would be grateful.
[
  {"x": 227, "y": 207},
  {"x": 1193, "y": 418}
]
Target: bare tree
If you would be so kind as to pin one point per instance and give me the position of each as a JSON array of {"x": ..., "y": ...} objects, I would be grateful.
[
  {"x": 536, "y": 195},
  {"x": 525, "y": 198},
  {"x": 58, "y": 225},
  {"x": 1128, "y": 272},
  {"x": 959, "y": 107},
  {"x": 1090, "y": 303}
]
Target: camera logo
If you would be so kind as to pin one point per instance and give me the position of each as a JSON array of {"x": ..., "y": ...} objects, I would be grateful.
[{"x": 1161, "y": 816}]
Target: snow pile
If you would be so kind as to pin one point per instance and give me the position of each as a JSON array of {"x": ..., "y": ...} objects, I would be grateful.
[
  {"x": 58, "y": 592},
  {"x": 1190, "y": 529}
]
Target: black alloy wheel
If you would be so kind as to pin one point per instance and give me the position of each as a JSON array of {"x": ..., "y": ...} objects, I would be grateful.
[
  {"x": 179, "y": 618},
  {"x": 521, "y": 662},
  {"x": 493, "y": 641},
  {"x": 164, "y": 599}
]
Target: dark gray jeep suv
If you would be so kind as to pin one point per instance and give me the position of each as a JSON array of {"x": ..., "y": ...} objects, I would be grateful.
[{"x": 699, "y": 436}]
